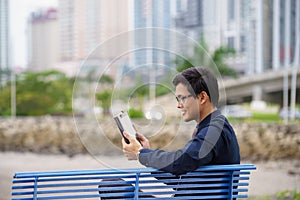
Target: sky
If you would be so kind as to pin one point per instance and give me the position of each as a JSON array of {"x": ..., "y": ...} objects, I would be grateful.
[{"x": 19, "y": 13}]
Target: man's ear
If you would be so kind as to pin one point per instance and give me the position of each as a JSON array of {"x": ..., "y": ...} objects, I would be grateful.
[{"x": 203, "y": 97}]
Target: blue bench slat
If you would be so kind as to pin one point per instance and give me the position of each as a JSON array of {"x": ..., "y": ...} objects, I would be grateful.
[
  {"x": 240, "y": 196},
  {"x": 57, "y": 186},
  {"x": 30, "y": 175},
  {"x": 119, "y": 188},
  {"x": 145, "y": 193},
  {"x": 118, "y": 176},
  {"x": 122, "y": 182},
  {"x": 234, "y": 167},
  {"x": 81, "y": 196},
  {"x": 102, "y": 177},
  {"x": 184, "y": 186},
  {"x": 77, "y": 190},
  {"x": 192, "y": 197},
  {"x": 128, "y": 188},
  {"x": 240, "y": 190},
  {"x": 73, "y": 178},
  {"x": 94, "y": 190},
  {"x": 127, "y": 182},
  {"x": 245, "y": 184},
  {"x": 213, "y": 191},
  {"x": 185, "y": 198}
]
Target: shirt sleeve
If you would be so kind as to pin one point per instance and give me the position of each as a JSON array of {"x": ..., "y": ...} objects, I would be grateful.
[{"x": 198, "y": 151}]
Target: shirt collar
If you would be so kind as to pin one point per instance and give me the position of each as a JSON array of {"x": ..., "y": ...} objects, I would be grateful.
[{"x": 208, "y": 118}]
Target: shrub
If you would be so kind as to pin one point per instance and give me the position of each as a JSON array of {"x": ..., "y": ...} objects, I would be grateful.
[{"x": 135, "y": 113}]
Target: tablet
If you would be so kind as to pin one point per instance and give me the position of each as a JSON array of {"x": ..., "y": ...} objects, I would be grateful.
[{"x": 124, "y": 124}]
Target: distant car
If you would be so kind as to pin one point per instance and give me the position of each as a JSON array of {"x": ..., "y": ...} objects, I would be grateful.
[
  {"x": 283, "y": 112},
  {"x": 235, "y": 111}
]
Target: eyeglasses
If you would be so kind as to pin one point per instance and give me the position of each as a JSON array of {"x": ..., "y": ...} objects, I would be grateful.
[{"x": 182, "y": 99}]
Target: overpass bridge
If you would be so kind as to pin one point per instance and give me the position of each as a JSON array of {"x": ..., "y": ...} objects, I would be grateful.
[{"x": 267, "y": 86}]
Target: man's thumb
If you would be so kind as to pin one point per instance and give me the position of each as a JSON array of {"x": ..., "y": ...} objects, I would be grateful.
[{"x": 127, "y": 136}]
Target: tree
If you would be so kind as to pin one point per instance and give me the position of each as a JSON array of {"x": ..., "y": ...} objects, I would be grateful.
[
  {"x": 201, "y": 57},
  {"x": 41, "y": 93},
  {"x": 106, "y": 79},
  {"x": 105, "y": 100}
]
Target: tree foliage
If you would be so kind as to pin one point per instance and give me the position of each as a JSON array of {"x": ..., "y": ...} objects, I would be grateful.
[
  {"x": 202, "y": 57},
  {"x": 105, "y": 100},
  {"x": 106, "y": 79},
  {"x": 41, "y": 93},
  {"x": 105, "y": 96}
]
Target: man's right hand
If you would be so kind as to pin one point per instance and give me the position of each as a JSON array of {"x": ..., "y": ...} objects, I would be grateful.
[{"x": 143, "y": 140}]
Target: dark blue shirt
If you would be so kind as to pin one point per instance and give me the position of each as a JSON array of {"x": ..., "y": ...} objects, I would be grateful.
[{"x": 215, "y": 143}]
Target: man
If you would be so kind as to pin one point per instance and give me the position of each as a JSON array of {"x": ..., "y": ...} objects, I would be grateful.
[{"x": 213, "y": 142}]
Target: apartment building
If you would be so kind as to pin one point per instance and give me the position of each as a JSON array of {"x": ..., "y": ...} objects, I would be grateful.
[
  {"x": 4, "y": 41},
  {"x": 43, "y": 40}
]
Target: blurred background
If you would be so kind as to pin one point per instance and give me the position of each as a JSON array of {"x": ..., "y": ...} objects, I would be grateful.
[
  {"x": 253, "y": 45},
  {"x": 58, "y": 56}
]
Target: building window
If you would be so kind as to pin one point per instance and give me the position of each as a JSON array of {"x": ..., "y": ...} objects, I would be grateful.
[
  {"x": 230, "y": 9},
  {"x": 243, "y": 43},
  {"x": 230, "y": 42}
]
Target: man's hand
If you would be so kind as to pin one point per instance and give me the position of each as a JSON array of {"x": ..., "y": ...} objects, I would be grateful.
[
  {"x": 132, "y": 149},
  {"x": 143, "y": 140}
]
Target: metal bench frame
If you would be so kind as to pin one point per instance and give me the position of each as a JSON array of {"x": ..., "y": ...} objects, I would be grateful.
[{"x": 207, "y": 182}]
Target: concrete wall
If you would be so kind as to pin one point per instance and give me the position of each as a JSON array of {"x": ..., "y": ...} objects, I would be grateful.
[{"x": 61, "y": 135}]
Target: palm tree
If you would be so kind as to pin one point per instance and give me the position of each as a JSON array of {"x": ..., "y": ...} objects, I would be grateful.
[{"x": 201, "y": 57}]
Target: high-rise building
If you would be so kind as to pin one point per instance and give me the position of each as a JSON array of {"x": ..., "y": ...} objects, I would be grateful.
[
  {"x": 226, "y": 23},
  {"x": 4, "y": 41},
  {"x": 86, "y": 25},
  {"x": 44, "y": 40},
  {"x": 76, "y": 27},
  {"x": 272, "y": 33},
  {"x": 264, "y": 34},
  {"x": 153, "y": 14},
  {"x": 283, "y": 22},
  {"x": 189, "y": 18}
]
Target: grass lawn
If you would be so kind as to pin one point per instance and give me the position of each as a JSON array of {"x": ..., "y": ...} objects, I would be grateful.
[
  {"x": 269, "y": 118},
  {"x": 266, "y": 117}
]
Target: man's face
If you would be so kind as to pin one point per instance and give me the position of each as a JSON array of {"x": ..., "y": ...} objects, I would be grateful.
[{"x": 187, "y": 103}]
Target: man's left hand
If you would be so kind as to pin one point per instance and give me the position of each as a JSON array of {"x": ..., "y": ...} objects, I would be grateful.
[{"x": 132, "y": 149}]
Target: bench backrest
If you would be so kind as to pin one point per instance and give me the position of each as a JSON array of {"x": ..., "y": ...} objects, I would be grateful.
[{"x": 207, "y": 182}]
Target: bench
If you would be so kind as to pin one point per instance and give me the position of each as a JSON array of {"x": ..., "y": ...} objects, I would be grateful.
[{"x": 207, "y": 182}]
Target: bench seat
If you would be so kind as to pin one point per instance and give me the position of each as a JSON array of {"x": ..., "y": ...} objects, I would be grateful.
[{"x": 207, "y": 182}]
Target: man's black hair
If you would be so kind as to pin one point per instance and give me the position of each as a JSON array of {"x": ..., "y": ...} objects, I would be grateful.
[{"x": 198, "y": 79}]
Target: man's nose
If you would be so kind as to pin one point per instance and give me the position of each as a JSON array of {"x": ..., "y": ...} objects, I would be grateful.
[{"x": 179, "y": 105}]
